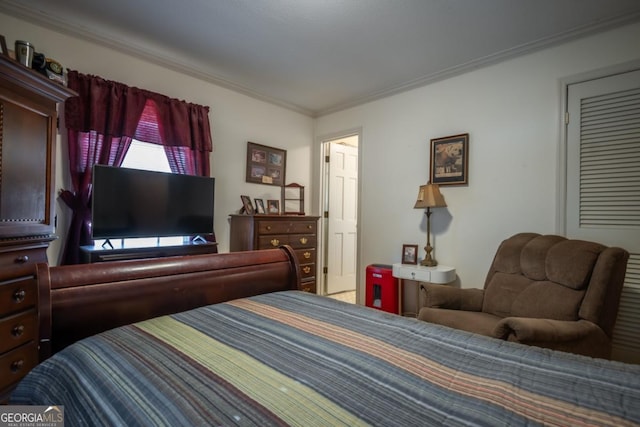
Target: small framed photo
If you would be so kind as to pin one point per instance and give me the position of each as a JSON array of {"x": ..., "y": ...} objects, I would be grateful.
[
  {"x": 259, "y": 206},
  {"x": 450, "y": 160},
  {"x": 266, "y": 165},
  {"x": 410, "y": 254},
  {"x": 273, "y": 207},
  {"x": 247, "y": 207}
]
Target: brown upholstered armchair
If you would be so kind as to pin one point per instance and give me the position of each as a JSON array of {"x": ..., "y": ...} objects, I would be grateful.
[{"x": 546, "y": 291}]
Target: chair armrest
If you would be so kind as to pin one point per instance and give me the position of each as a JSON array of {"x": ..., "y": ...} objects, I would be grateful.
[
  {"x": 444, "y": 296},
  {"x": 529, "y": 330}
]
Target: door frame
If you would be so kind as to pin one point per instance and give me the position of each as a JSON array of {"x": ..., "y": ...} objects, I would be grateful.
[{"x": 319, "y": 204}]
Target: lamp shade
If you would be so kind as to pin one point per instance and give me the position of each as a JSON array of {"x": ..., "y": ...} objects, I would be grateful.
[{"x": 429, "y": 196}]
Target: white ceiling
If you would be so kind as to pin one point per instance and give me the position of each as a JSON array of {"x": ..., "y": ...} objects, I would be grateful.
[{"x": 319, "y": 56}]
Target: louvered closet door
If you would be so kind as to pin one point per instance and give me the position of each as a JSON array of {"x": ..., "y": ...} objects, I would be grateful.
[{"x": 603, "y": 184}]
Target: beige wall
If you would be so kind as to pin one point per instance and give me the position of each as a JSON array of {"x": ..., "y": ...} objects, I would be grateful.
[
  {"x": 512, "y": 112},
  {"x": 235, "y": 119}
]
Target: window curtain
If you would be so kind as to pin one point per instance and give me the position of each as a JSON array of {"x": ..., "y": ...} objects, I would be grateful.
[{"x": 101, "y": 123}]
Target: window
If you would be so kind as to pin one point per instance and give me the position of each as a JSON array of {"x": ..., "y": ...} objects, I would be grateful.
[
  {"x": 151, "y": 157},
  {"x": 143, "y": 155}
]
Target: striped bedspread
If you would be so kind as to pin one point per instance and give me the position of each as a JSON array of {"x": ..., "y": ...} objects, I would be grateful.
[{"x": 293, "y": 358}]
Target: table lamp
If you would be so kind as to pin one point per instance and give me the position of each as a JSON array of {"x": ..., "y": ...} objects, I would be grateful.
[{"x": 429, "y": 197}]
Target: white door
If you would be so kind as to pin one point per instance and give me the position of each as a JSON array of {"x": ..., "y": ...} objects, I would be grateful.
[
  {"x": 603, "y": 184},
  {"x": 342, "y": 224}
]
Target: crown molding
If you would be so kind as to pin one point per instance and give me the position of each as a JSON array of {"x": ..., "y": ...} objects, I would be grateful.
[
  {"x": 486, "y": 61},
  {"x": 16, "y": 9}
]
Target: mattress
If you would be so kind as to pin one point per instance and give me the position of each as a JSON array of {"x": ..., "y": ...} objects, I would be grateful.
[{"x": 293, "y": 358}]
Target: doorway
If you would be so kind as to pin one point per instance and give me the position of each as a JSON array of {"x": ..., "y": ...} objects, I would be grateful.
[{"x": 340, "y": 213}]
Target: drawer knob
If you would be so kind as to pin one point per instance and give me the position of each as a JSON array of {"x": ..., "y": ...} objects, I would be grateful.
[
  {"x": 18, "y": 295},
  {"x": 304, "y": 240},
  {"x": 23, "y": 259},
  {"x": 17, "y": 331},
  {"x": 16, "y": 365},
  {"x": 307, "y": 255},
  {"x": 310, "y": 226},
  {"x": 268, "y": 227},
  {"x": 306, "y": 269},
  {"x": 275, "y": 242}
]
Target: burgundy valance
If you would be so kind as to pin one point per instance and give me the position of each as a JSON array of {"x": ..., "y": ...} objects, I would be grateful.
[{"x": 114, "y": 109}]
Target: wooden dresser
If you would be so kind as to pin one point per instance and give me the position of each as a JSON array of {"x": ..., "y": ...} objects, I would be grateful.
[
  {"x": 28, "y": 130},
  {"x": 18, "y": 325},
  {"x": 254, "y": 232}
]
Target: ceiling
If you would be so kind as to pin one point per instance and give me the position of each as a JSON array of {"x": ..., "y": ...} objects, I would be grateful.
[{"x": 320, "y": 56}]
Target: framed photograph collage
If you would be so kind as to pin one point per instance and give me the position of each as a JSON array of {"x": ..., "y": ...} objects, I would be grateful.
[{"x": 266, "y": 165}]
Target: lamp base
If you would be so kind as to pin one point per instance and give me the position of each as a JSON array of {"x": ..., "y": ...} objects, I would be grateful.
[{"x": 429, "y": 263}]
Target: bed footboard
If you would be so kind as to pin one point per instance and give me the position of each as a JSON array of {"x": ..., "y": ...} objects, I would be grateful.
[{"x": 77, "y": 301}]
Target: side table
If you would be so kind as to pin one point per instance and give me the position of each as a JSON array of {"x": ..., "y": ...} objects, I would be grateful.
[{"x": 440, "y": 274}]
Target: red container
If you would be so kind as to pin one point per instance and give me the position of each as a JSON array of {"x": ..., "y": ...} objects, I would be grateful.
[{"x": 381, "y": 288}]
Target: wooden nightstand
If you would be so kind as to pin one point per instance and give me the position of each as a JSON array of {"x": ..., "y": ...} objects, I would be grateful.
[{"x": 440, "y": 274}]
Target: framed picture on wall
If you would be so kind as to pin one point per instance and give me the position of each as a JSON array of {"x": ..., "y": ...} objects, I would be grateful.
[
  {"x": 266, "y": 165},
  {"x": 450, "y": 160}
]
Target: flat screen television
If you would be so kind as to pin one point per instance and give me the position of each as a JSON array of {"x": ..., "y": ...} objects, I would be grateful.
[{"x": 137, "y": 203}]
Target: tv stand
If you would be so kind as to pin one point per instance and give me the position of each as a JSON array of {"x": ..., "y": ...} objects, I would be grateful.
[
  {"x": 107, "y": 243},
  {"x": 198, "y": 240},
  {"x": 91, "y": 254}
]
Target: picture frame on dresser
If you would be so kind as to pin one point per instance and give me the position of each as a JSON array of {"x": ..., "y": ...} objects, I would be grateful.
[
  {"x": 273, "y": 207},
  {"x": 259, "y": 206},
  {"x": 247, "y": 207}
]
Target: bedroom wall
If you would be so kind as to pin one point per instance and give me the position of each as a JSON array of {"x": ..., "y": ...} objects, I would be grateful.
[
  {"x": 512, "y": 112},
  {"x": 235, "y": 119}
]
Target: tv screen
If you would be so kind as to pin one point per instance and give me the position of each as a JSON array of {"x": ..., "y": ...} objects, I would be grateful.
[{"x": 137, "y": 203}]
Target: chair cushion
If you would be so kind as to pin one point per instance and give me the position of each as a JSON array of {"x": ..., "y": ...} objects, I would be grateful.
[
  {"x": 571, "y": 262},
  {"x": 502, "y": 291},
  {"x": 507, "y": 258},
  {"x": 534, "y": 255},
  {"x": 547, "y": 300}
]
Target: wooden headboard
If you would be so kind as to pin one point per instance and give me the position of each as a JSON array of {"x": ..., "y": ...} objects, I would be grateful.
[{"x": 77, "y": 301}]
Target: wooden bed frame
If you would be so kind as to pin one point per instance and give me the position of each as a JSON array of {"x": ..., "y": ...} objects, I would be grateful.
[{"x": 77, "y": 301}]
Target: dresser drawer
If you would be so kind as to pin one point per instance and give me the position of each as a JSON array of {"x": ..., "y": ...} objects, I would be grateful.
[
  {"x": 23, "y": 256},
  {"x": 283, "y": 227},
  {"x": 308, "y": 271},
  {"x": 17, "y": 363},
  {"x": 17, "y": 330},
  {"x": 306, "y": 256},
  {"x": 17, "y": 295},
  {"x": 309, "y": 286},
  {"x": 270, "y": 242},
  {"x": 299, "y": 241}
]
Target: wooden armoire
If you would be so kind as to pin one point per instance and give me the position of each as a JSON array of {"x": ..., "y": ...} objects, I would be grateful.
[{"x": 28, "y": 129}]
